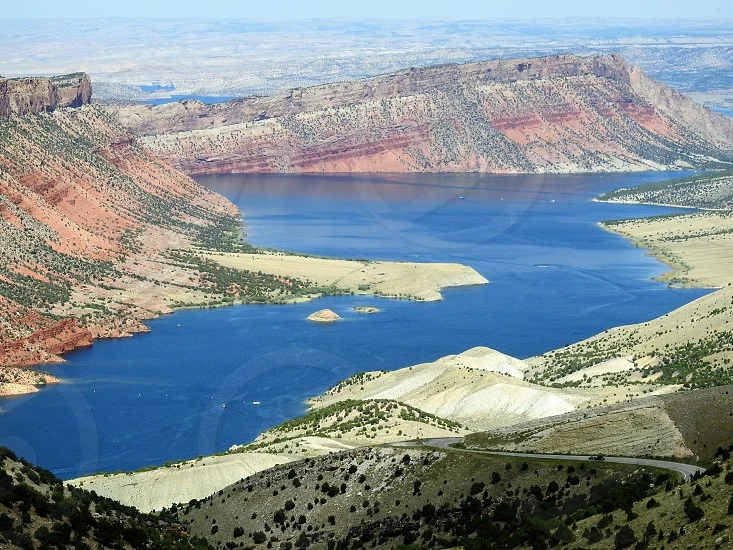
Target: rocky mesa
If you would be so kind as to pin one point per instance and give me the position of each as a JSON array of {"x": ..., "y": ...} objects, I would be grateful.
[
  {"x": 554, "y": 114},
  {"x": 22, "y": 96}
]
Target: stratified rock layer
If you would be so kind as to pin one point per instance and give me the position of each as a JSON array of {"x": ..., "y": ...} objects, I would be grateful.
[
  {"x": 554, "y": 114},
  {"x": 23, "y": 96},
  {"x": 86, "y": 220}
]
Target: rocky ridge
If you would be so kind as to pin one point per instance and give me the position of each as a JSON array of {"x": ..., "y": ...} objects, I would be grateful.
[
  {"x": 38, "y": 511},
  {"x": 23, "y": 96},
  {"x": 554, "y": 114}
]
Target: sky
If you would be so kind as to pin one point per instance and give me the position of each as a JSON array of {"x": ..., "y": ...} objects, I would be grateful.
[{"x": 283, "y": 10}]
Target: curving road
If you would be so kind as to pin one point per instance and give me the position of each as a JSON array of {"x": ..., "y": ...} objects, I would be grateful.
[{"x": 687, "y": 470}]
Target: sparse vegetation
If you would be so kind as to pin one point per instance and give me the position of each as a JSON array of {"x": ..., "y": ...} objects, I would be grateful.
[
  {"x": 445, "y": 500},
  {"x": 351, "y": 419},
  {"x": 37, "y": 511},
  {"x": 712, "y": 190}
]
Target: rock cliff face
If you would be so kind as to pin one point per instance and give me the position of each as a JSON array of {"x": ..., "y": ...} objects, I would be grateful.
[
  {"x": 555, "y": 114},
  {"x": 45, "y": 344},
  {"x": 88, "y": 220},
  {"x": 22, "y": 96}
]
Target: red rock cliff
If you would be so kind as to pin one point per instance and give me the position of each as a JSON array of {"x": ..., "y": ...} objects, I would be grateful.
[
  {"x": 46, "y": 344},
  {"x": 87, "y": 219}
]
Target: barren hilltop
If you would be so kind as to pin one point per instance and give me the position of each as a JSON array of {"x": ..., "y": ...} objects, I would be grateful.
[{"x": 552, "y": 114}]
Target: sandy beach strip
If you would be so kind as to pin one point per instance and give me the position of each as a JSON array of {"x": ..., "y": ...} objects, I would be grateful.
[
  {"x": 698, "y": 246},
  {"x": 417, "y": 281}
]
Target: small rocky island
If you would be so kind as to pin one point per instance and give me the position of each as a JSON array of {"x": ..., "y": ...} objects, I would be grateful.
[
  {"x": 324, "y": 316},
  {"x": 366, "y": 309}
]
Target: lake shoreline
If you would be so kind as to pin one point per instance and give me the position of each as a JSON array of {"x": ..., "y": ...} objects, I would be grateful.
[
  {"x": 432, "y": 318},
  {"x": 421, "y": 282}
]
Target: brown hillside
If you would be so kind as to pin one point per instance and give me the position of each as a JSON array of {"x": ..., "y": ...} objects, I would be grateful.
[
  {"x": 704, "y": 417},
  {"x": 688, "y": 424}
]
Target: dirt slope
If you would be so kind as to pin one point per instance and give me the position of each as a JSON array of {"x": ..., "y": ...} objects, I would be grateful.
[{"x": 690, "y": 424}]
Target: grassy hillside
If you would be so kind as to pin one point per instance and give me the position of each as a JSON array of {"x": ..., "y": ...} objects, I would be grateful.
[
  {"x": 390, "y": 496},
  {"x": 386, "y": 497},
  {"x": 358, "y": 423}
]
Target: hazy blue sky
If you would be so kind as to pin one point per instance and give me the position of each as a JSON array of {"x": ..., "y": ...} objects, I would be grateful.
[{"x": 388, "y": 9}]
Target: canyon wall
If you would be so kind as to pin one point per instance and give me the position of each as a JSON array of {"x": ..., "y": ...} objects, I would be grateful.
[
  {"x": 555, "y": 114},
  {"x": 193, "y": 115},
  {"x": 22, "y": 96},
  {"x": 88, "y": 220}
]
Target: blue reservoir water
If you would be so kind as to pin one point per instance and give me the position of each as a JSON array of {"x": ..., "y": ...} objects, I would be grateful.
[
  {"x": 188, "y": 388},
  {"x": 724, "y": 110},
  {"x": 205, "y": 99}
]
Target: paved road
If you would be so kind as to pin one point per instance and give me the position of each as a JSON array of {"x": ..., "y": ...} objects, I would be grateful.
[{"x": 687, "y": 470}]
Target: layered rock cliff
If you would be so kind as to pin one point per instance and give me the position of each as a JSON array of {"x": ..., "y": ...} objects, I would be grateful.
[
  {"x": 22, "y": 96},
  {"x": 88, "y": 223},
  {"x": 555, "y": 114}
]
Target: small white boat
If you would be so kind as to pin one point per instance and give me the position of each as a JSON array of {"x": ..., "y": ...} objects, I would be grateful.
[
  {"x": 460, "y": 198},
  {"x": 255, "y": 402}
]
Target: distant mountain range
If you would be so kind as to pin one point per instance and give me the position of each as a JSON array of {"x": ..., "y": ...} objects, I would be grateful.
[{"x": 152, "y": 59}]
